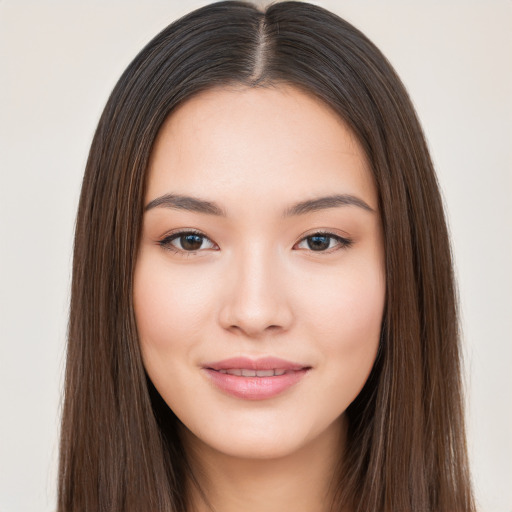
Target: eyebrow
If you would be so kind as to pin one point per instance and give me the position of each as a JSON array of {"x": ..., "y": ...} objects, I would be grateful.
[
  {"x": 322, "y": 203},
  {"x": 188, "y": 203},
  {"x": 194, "y": 204}
]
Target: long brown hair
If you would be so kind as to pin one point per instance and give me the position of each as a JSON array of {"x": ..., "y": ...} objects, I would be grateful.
[{"x": 406, "y": 444}]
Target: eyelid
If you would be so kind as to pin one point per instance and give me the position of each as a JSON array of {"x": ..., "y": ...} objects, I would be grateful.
[
  {"x": 165, "y": 241},
  {"x": 344, "y": 242}
]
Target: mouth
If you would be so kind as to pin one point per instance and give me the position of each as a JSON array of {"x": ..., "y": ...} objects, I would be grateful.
[
  {"x": 253, "y": 373},
  {"x": 255, "y": 379}
]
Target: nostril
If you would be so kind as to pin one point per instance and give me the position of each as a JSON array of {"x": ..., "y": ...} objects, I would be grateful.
[{"x": 254, "y": 314}]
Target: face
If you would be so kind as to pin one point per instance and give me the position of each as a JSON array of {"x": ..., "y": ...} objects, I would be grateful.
[{"x": 259, "y": 284}]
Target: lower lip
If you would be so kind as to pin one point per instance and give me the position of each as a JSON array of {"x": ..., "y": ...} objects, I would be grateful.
[{"x": 255, "y": 388}]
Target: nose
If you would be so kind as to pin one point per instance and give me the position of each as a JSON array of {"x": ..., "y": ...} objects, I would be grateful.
[{"x": 256, "y": 298}]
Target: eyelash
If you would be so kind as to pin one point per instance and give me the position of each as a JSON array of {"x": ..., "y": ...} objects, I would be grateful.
[
  {"x": 166, "y": 243},
  {"x": 342, "y": 242}
]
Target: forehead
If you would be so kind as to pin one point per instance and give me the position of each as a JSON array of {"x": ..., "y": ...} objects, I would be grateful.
[{"x": 258, "y": 142}]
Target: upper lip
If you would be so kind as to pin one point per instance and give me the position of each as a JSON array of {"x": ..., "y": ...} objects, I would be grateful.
[{"x": 264, "y": 363}]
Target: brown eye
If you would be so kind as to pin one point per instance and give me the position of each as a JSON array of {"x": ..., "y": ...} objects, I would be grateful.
[
  {"x": 323, "y": 242},
  {"x": 187, "y": 241},
  {"x": 191, "y": 242},
  {"x": 319, "y": 242}
]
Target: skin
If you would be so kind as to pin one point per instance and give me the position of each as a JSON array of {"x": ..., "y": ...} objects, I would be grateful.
[{"x": 254, "y": 288}]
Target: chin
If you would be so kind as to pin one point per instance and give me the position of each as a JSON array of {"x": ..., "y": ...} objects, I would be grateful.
[{"x": 263, "y": 440}]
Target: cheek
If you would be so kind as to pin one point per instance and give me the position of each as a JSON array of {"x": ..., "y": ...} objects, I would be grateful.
[
  {"x": 347, "y": 320},
  {"x": 357, "y": 311},
  {"x": 171, "y": 310},
  {"x": 347, "y": 305}
]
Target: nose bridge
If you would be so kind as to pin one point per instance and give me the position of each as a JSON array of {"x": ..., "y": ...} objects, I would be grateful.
[{"x": 256, "y": 302}]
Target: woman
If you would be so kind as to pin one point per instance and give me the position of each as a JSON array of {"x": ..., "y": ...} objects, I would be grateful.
[{"x": 263, "y": 309}]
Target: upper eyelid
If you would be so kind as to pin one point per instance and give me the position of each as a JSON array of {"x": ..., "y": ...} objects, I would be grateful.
[
  {"x": 344, "y": 240},
  {"x": 322, "y": 232},
  {"x": 165, "y": 241},
  {"x": 326, "y": 232},
  {"x": 171, "y": 236},
  {"x": 181, "y": 232},
  {"x": 307, "y": 234}
]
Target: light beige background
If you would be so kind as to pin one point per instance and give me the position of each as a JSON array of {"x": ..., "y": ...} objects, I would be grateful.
[{"x": 58, "y": 62}]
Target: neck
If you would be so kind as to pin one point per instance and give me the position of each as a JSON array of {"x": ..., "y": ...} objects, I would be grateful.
[{"x": 301, "y": 481}]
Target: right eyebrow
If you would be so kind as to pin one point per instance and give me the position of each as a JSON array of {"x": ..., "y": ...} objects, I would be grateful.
[
  {"x": 188, "y": 203},
  {"x": 322, "y": 203}
]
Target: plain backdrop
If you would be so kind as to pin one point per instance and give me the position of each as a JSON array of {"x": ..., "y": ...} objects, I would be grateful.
[{"x": 58, "y": 62}]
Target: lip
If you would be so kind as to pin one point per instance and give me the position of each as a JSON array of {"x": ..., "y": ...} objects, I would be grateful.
[
  {"x": 255, "y": 388},
  {"x": 264, "y": 363}
]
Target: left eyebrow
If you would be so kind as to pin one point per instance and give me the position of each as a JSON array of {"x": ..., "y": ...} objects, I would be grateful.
[
  {"x": 191, "y": 204},
  {"x": 321, "y": 203}
]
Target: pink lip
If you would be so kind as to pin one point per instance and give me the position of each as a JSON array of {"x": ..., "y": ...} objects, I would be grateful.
[
  {"x": 265, "y": 363},
  {"x": 255, "y": 388}
]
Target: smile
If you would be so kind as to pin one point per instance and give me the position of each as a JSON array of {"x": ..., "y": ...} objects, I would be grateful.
[
  {"x": 253, "y": 373},
  {"x": 255, "y": 379}
]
